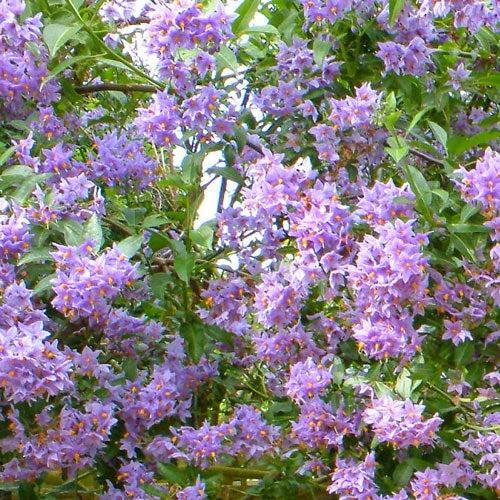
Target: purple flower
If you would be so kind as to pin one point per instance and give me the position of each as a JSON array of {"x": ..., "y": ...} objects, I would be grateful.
[
  {"x": 195, "y": 492},
  {"x": 401, "y": 423},
  {"x": 307, "y": 380},
  {"x": 458, "y": 76},
  {"x": 455, "y": 332}
]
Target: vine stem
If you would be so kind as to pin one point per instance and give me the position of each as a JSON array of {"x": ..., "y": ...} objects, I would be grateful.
[
  {"x": 237, "y": 472},
  {"x": 121, "y": 87}
]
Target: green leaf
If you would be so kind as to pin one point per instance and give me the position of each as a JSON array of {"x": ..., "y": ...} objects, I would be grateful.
[
  {"x": 36, "y": 255},
  {"x": 44, "y": 284},
  {"x": 195, "y": 339},
  {"x": 468, "y": 211},
  {"x": 64, "y": 65},
  {"x": 72, "y": 230},
  {"x": 468, "y": 228},
  {"x": 464, "y": 248},
  {"x": 172, "y": 473},
  {"x": 154, "y": 220},
  {"x": 130, "y": 245},
  {"x": 130, "y": 369},
  {"x": 404, "y": 385},
  {"x": 7, "y": 154},
  {"x": 226, "y": 58},
  {"x": 460, "y": 144},
  {"x": 219, "y": 334},
  {"x": 395, "y": 7},
  {"x": 113, "y": 62},
  {"x": 56, "y": 35},
  {"x": 92, "y": 230},
  {"x": 398, "y": 148},
  {"x": 320, "y": 50},
  {"x": 27, "y": 186},
  {"x": 228, "y": 172},
  {"x": 246, "y": 12},
  {"x": 134, "y": 216},
  {"x": 203, "y": 236},
  {"x": 402, "y": 473},
  {"x": 240, "y": 134},
  {"x": 26, "y": 491},
  {"x": 267, "y": 29},
  {"x": 158, "y": 284},
  {"x": 417, "y": 118},
  {"x": 463, "y": 353},
  {"x": 151, "y": 490},
  {"x": 420, "y": 189},
  {"x": 382, "y": 390},
  {"x": 191, "y": 167},
  {"x": 183, "y": 265},
  {"x": 439, "y": 133}
]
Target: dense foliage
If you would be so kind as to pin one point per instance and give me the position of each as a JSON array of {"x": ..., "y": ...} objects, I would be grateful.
[{"x": 249, "y": 249}]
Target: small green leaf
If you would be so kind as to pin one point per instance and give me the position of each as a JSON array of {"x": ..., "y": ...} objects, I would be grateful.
[
  {"x": 7, "y": 154},
  {"x": 402, "y": 473},
  {"x": 395, "y": 7},
  {"x": 320, "y": 50},
  {"x": 130, "y": 369},
  {"x": 56, "y": 35},
  {"x": 130, "y": 245},
  {"x": 151, "y": 490},
  {"x": 92, "y": 230},
  {"x": 36, "y": 255},
  {"x": 158, "y": 283},
  {"x": 397, "y": 149},
  {"x": 183, "y": 265},
  {"x": 417, "y": 118},
  {"x": 240, "y": 134},
  {"x": 439, "y": 133},
  {"x": 460, "y": 144},
  {"x": 226, "y": 58},
  {"x": 404, "y": 384},
  {"x": 195, "y": 339},
  {"x": 267, "y": 29},
  {"x": 463, "y": 353},
  {"x": 72, "y": 230},
  {"x": 468, "y": 228},
  {"x": 191, "y": 167},
  {"x": 172, "y": 473},
  {"x": 28, "y": 185},
  {"x": 229, "y": 173},
  {"x": 246, "y": 12},
  {"x": 44, "y": 284},
  {"x": 203, "y": 236},
  {"x": 134, "y": 216},
  {"x": 464, "y": 248},
  {"x": 421, "y": 190},
  {"x": 154, "y": 220}
]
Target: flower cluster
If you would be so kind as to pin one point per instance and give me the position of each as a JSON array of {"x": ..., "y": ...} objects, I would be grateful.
[
  {"x": 390, "y": 282},
  {"x": 86, "y": 284},
  {"x": 184, "y": 25},
  {"x": 400, "y": 423},
  {"x": 23, "y": 68}
]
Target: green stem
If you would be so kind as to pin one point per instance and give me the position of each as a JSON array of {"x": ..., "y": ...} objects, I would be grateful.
[
  {"x": 112, "y": 53},
  {"x": 456, "y": 52},
  {"x": 479, "y": 428},
  {"x": 236, "y": 472}
]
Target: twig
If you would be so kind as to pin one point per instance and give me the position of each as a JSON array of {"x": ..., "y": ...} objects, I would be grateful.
[
  {"x": 222, "y": 192},
  {"x": 121, "y": 87},
  {"x": 425, "y": 156},
  {"x": 238, "y": 472}
]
